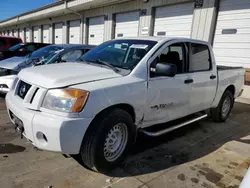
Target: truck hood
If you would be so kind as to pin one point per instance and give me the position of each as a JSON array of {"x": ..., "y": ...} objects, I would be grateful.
[
  {"x": 65, "y": 74},
  {"x": 12, "y": 62}
]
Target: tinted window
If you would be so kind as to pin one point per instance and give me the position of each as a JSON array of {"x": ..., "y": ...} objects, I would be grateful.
[
  {"x": 16, "y": 47},
  {"x": 2, "y": 43},
  {"x": 124, "y": 54},
  {"x": 14, "y": 42},
  {"x": 173, "y": 54},
  {"x": 72, "y": 55},
  {"x": 199, "y": 58},
  {"x": 46, "y": 53}
]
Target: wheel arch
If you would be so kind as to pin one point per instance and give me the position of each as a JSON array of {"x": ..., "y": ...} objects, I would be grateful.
[
  {"x": 124, "y": 106},
  {"x": 231, "y": 88}
]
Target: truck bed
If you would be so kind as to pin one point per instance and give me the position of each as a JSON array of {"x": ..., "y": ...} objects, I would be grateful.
[{"x": 229, "y": 76}]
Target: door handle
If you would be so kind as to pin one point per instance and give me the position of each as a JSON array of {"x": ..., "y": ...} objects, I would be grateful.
[
  {"x": 212, "y": 77},
  {"x": 188, "y": 81}
]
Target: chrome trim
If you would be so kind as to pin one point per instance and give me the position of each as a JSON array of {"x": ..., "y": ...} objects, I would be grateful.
[{"x": 159, "y": 133}]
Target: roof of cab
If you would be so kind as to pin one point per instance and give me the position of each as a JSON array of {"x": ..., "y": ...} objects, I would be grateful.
[{"x": 162, "y": 39}]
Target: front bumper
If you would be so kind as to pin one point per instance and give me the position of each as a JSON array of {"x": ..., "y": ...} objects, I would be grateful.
[{"x": 62, "y": 134}]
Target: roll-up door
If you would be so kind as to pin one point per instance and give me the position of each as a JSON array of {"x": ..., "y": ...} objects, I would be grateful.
[
  {"x": 174, "y": 20},
  {"x": 127, "y": 24},
  {"x": 74, "y": 32},
  {"x": 45, "y": 34},
  {"x": 232, "y": 34},
  {"x": 35, "y": 34},
  {"x": 96, "y": 30},
  {"x": 58, "y": 33}
]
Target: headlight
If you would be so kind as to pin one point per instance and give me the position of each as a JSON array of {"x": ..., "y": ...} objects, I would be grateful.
[{"x": 65, "y": 100}]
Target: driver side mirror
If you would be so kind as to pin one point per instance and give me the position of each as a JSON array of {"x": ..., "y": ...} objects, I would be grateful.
[{"x": 165, "y": 69}]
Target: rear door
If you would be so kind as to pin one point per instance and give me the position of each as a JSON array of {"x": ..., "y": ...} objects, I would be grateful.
[{"x": 202, "y": 77}]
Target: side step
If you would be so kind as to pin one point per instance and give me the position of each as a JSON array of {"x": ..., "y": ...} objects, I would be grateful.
[{"x": 169, "y": 129}]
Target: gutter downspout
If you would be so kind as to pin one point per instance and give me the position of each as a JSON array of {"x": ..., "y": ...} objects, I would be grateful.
[{"x": 81, "y": 18}]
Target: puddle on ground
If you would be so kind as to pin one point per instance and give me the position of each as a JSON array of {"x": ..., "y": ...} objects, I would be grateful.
[{"x": 10, "y": 148}]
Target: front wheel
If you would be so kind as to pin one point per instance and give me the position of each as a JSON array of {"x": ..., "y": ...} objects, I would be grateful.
[
  {"x": 222, "y": 112},
  {"x": 107, "y": 141}
]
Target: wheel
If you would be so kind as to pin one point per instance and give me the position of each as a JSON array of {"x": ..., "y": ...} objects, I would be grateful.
[
  {"x": 107, "y": 141},
  {"x": 221, "y": 113}
]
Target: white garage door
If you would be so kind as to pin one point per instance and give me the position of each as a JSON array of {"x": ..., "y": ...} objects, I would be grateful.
[
  {"x": 232, "y": 35},
  {"x": 96, "y": 30},
  {"x": 35, "y": 34},
  {"x": 46, "y": 36},
  {"x": 174, "y": 21},
  {"x": 58, "y": 33},
  {"x": 127, "y": 24},
  {"x": 74, "y": 32},
  {"x": 21, "y": 34},
  {"x": 27, "y": 35},
  {"x": 15, "y": 33}
]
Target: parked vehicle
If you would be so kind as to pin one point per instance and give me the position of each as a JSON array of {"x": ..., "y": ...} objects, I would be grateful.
[
  {"x": 6, "y": 42},
  {"x": 58, "y": 53},
  {"x": 95, "y": 108},
  {"x": 21, "y": 49}
]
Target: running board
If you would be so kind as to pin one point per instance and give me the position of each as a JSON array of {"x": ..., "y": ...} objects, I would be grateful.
[{"x": 164, "y": 131}]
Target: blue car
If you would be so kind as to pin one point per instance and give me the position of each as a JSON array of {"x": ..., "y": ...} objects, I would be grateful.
[{"x": 58, "y": 53}]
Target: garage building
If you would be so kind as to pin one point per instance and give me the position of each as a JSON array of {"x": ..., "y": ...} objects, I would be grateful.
[{"x": 224, "y": 23}]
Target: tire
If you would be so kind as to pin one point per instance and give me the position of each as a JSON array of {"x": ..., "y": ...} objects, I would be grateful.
[
  {"x": 95, "y": 140},
  {"x": 217, "y": 114}
]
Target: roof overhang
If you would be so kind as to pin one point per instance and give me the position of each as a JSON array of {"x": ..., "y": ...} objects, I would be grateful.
[{"x": 58, "y": 8}]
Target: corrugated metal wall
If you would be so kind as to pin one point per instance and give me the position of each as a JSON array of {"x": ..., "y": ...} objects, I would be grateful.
[{"x": 202, "y": 25}]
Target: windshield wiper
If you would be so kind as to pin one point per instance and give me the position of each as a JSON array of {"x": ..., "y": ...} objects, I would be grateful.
[{"x": 108, "y": 65}]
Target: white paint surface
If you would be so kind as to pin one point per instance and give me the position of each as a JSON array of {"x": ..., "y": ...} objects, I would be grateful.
[
  {"x": 233, "y": 49},
  {"x": 45, "y": 34},
  {"x": 74, "y": 32},
  {"x": 58, "y": 33},
  {"x": 174, "y": 21},
  {"x": 96, "y": 30},
  {"x": 127, "y": 24}
]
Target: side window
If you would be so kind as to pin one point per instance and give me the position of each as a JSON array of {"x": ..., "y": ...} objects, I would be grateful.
[
  {"x": 173, "y": 54},
  {"x": 2, "y": 43},
  {"x": 14, "y": 42},
  {"x": 199, "y": 58},
  {"x": 72, "y": 55},
  {"x": 30, "y": 48}
]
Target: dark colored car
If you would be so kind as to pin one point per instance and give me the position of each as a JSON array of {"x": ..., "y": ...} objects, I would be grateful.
[
  {"x": 21, "y": 49},
  {"x": 6, "y": 42}
]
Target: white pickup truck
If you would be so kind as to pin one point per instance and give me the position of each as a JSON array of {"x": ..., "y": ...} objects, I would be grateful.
[{"x": 95, "y": 107}]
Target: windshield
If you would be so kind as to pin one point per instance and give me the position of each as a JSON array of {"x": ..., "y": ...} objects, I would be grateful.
[
  {"x": 125, "y": 54},
  {"x": 46, "y": 53},
  {"x": 15, "y": 47}
]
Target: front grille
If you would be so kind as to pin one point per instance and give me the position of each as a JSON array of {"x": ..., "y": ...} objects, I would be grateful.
[{"x": 23, "y": 89}]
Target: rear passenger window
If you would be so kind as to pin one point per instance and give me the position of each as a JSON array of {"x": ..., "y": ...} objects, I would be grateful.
[
  {"x": 199, "y": 58},
  {"x": 2, "y": 43},
  {"x": 14, "y": 42}
]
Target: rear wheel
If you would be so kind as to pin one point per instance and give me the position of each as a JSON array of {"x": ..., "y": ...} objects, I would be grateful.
[
  {"x": 106, "y": 142},
  {"x": 222, "y": 112}
]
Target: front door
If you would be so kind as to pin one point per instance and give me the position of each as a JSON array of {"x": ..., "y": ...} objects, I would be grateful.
[{"x": 168, "y": 97}]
